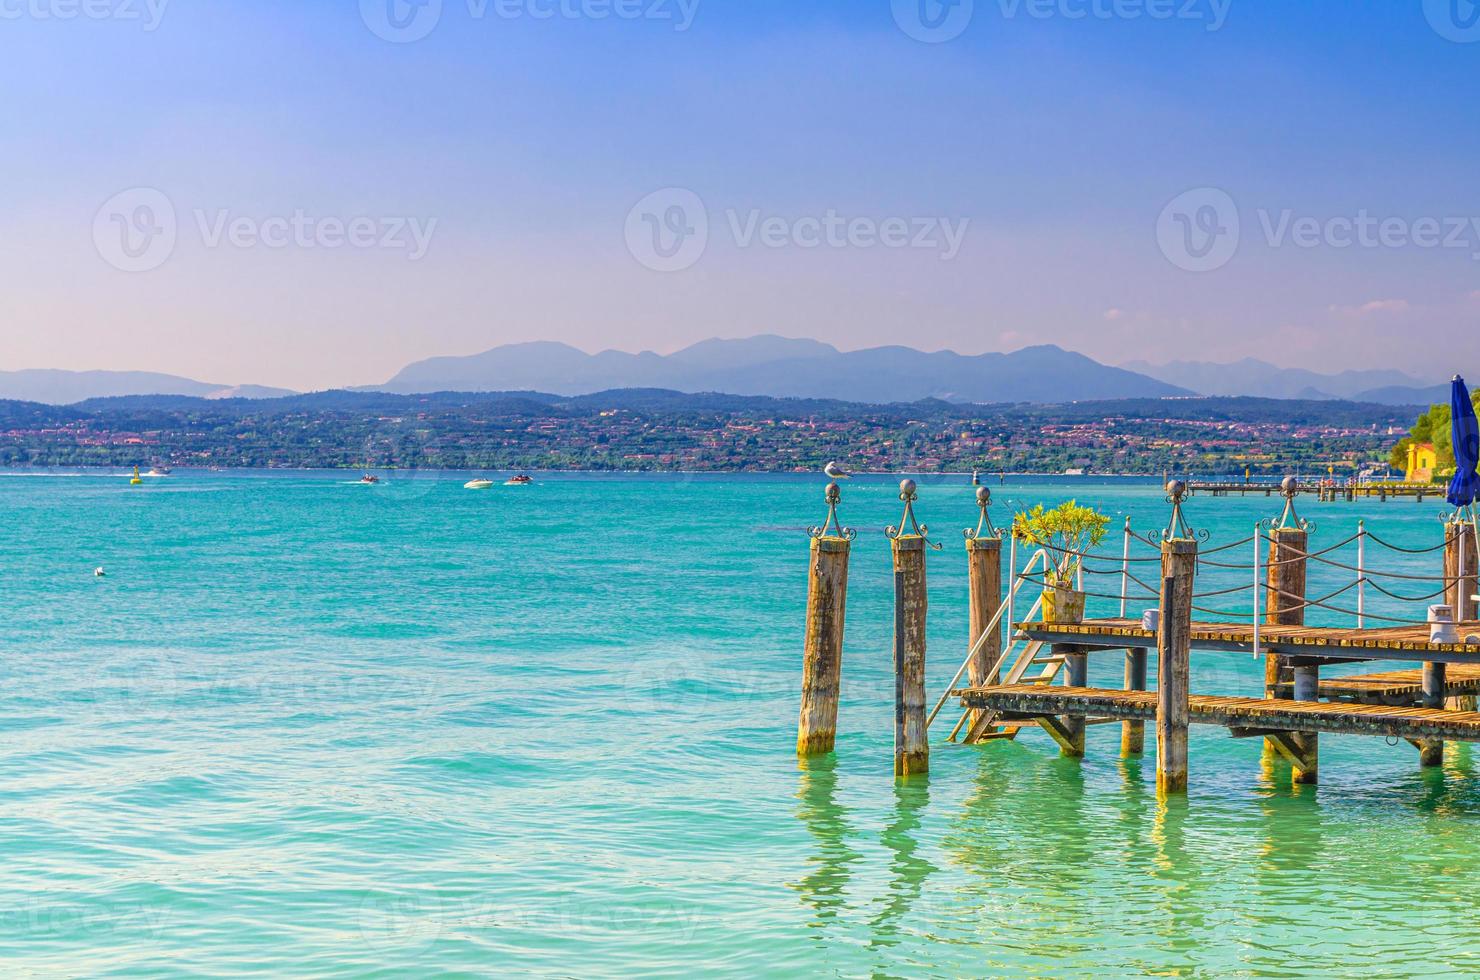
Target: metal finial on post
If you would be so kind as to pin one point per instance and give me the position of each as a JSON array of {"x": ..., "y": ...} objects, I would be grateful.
[
  {"x": 909, "y": 493},
  {"x": 1290, "y": 489},
  {"x": 984, "y": 528},
  {"x": 833, "y": 494},
  {"x": 1177, "y": 526}
]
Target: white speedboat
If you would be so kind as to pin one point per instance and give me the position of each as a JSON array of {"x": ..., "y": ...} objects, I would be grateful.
[{"x": 478, "y": 485}]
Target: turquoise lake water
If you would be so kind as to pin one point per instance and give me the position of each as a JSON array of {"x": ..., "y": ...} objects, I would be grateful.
[{"x": 309, "y": 728}]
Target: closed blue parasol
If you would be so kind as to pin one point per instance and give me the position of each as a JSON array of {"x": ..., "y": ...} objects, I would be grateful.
[{"x": 1465, "y": 486}]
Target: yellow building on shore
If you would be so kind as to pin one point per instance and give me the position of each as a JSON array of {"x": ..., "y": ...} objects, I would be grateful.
[{"x": 1421, "y": 462}]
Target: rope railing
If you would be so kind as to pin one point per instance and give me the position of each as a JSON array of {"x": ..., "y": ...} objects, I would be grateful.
[
  {"x": 1134, "y": 587},
  {"x": 1407, "y": 551}
]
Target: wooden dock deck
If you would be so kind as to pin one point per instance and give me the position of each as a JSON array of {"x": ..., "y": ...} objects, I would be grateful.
[
  {"x": 1244, "y": 716},
  {"x": 1396, "y": 687},
  {"x": 1314, "y": 642}
]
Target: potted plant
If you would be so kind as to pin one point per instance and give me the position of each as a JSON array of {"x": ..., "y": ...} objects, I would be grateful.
[{"x": 1066, "y": 532}]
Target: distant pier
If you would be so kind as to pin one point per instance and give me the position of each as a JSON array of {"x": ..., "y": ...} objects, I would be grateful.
[{"x": 1324, "y": 491}]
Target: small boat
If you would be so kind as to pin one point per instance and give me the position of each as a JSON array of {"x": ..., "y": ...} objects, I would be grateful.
[
  {"x": 158, "y": 470},
  {"x": 137, "y": 479},
  {"x": 479, "y": 484},
  {"x": 519, "y": 481},
  {"x": 369, "y": 478}
]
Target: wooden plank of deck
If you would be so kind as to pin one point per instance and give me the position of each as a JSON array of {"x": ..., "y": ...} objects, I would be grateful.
[
  {"x": 1033, "y": 701},
  {"x": 1407, "y": 642},
  {"x": 1459, "y": 679}
]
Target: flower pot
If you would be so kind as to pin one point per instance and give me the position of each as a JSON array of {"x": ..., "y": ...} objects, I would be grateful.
[{"x": 1063, "y": 607}]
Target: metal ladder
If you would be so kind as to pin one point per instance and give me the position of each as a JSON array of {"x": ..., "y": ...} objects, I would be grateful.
[{"x": 1023, "y": 661}]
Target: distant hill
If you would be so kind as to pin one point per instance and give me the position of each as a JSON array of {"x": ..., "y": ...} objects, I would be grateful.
[
  {"x": 783, "y": 368},
  {"x": 1260, "y": 379},
  {"x": 67, "y": 387},
  {"x": 1402, "y": 395}
]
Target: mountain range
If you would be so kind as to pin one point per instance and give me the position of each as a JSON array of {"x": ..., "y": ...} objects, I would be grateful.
[
  {"x": 1260, "y": 379},
  {"x": 67, "y": 387},
  {"x": 781, "y": 367}
]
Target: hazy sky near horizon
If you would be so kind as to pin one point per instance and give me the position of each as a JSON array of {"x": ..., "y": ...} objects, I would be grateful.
[{"x": 310, "y": 193}]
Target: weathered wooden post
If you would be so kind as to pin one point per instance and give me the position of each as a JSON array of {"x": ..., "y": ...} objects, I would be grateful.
[
  {"x": 1133, "y": 733},
  {"x": 1431, "y": 751},
  {"x": 911, "y": 745},
  {"x": 822, "y": 659},
  {"x": 984, "y": 575},
  {"x": 1284, "y": 603},
  {"x": 1307, "y": 683},
  {"x": 1174, "y": 648},
  {"x": 1459, "y": 569},
  {"x": 1459, "y": 586},
  {"x": 1076, "y": 674}
]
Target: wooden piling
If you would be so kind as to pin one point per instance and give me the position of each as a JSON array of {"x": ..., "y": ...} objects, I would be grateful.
[
  {"x": 1459, "y": 550},
  {"x": 911, "y": 748},
  {"x": 822, "y": 659},
  {"x": 1283, "y": 604},
  {"x": 1133, "y": 733},
  {"x": 984, "y": 575},
  {"x": 1431, "y": 751},
  {"x": 1307, "y": 683},
  {"x": 1174, "y": 660},
  {"x": 1076, "y": 670}
]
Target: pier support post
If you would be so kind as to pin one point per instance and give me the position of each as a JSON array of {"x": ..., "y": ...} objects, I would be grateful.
[
  {"x": 1431, "y": 751},
  {"x": 984, "y": 574},
  {"x": 911, "y": 745},
  {"x": 1174, "y": 662},
  {"x": 1460, "y": 584},
  {"x": 1307, "y": 681},
  {"x": 822, "y": 658},
  {"x": 1076, "y": 670},
  {"x": 1133, "y": 733},
  {"x": 1459, "y": 570},
  {"x": 1283, "y": 604}
]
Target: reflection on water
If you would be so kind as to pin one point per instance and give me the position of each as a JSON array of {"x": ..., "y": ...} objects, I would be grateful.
[
  {"x": 824, "y": 888},
  {"x": 908, "y": 870}
]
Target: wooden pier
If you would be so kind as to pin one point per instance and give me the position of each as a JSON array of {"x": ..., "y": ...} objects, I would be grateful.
[{"x": 1034, "y": 675}]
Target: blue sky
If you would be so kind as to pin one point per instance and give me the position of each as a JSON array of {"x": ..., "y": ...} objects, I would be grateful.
[{"x": 499, "y": 159}]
